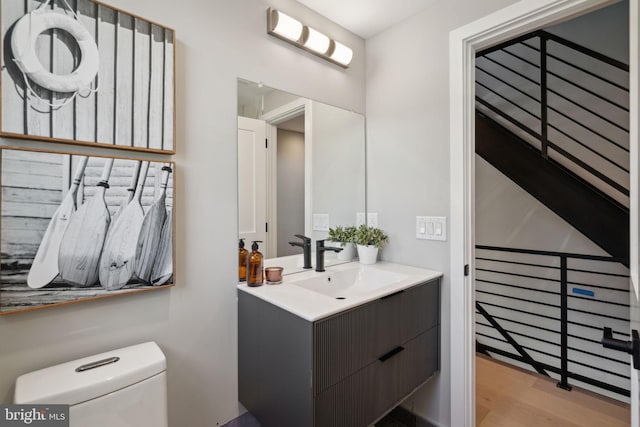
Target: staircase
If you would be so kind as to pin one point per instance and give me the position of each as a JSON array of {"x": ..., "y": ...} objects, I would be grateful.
[{"x": 553, "y": 116}]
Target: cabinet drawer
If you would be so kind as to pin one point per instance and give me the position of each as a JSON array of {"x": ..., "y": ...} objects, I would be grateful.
[
  {"x": 423, "y": 310},
  {"x": 367, "y": 394},
  {"x": 346, "y": 342}
]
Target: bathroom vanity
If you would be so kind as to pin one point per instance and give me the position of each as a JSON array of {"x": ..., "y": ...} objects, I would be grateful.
[{"x": 339, "y": 348}]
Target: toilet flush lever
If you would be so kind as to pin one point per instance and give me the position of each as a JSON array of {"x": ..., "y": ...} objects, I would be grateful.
[{"x": 97, "y": 364}]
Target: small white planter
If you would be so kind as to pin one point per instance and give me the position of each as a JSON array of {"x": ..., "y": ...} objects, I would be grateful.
[
  {"x": 367, "y": 254},
  {"x": 348, "y": 251}
]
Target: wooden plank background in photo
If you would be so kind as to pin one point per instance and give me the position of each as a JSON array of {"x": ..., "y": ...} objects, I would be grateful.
[
  {"x": 33, "y": 185},
  {"x": 133, "y": 107}
]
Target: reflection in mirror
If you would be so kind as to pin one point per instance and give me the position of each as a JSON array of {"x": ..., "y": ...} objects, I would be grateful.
[{"x": 301, "y": 170}]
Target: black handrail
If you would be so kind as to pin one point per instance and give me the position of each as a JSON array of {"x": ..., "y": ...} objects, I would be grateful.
[
  {"x": 550, "y": 113},
  {"x": 557, "y": 281},
  {"x": 591, "y": 73},
  {"x": 550, "y": 253},
  {"x": 584, "y": 50},
  {"x": 545, "y": 34},
  {"x": 566, "y": 80}
]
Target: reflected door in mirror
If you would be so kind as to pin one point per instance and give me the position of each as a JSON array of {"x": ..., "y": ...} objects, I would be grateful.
[{"x": 251, "y": 183}]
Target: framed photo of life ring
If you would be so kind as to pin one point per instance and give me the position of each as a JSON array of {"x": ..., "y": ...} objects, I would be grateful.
[{"x": 82, "y": 72}]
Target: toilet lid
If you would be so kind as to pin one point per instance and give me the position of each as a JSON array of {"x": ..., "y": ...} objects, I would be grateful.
[{"x": 64, "y": 384}]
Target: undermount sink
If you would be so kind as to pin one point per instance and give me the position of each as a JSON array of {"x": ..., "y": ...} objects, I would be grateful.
[
  {"x": 313, "y": 296},
  {"x": 354, "y": 282}
]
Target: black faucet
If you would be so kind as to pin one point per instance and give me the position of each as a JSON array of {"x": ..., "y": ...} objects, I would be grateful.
[
  {"x": 320, "y": 250},
  {"x": 306, "y": 248}
]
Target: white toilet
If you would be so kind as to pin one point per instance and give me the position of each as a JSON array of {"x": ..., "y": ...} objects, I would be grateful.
[{"x": 119, "y": 388}]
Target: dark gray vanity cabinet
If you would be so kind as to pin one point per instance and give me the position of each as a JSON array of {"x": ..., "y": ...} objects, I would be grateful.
[{"x": 344, "y": 370}]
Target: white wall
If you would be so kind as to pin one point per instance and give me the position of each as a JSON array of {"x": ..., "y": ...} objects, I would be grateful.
[
  {"x": 612, "y": 36},
  {"x": 195, "y": 322},
  {"x": 408, "y": 151},
  {"x": 506, "y": 215}
]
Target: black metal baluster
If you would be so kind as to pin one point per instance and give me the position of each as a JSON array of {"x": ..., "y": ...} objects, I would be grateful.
[
  {"x": 543, "y": 97},
  {"x": 564, "y": 357}
]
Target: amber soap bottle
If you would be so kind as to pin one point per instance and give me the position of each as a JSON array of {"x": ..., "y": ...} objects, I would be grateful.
[
  {"x": 255, "y": 275},
  {"x": 242, "y": 262}
]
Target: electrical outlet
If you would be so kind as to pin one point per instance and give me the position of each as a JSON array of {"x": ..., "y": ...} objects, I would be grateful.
[{"x": 360, "y": 218}]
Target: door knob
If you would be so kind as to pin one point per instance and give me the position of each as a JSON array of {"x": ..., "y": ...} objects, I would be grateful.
[{"x": 632, "y": 347}]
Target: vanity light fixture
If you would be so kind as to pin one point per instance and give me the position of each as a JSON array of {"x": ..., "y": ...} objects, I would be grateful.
[{"x": 291, "y": 30}]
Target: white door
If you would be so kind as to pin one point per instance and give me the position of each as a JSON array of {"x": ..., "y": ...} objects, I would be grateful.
[{"x": 252, "y": 197}]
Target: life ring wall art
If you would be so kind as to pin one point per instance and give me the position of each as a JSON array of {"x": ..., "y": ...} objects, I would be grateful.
[
  {"x": 80, "y": 71},
  {"x": 77, "y": 227}
]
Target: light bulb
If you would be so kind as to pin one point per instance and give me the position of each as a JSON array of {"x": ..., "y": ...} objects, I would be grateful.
[
  {"x": 341, "y": 54},
  {"x": 286, "y": 26},
  {"x": 316, "y": 41}
]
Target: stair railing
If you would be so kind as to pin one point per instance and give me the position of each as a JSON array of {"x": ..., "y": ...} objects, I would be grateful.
[
  {"x": 548, "y": 310},
  {"x": 571, "y": 103}
]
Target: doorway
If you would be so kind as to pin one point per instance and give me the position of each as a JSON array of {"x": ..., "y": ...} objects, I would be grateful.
[
  {"x": 289, "y": 183},
  {"x": 551, "y": 143},
  {"x": 509, "y": 23}
]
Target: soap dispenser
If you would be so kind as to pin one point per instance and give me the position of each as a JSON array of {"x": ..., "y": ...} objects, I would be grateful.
[
  {"x": 242, "y": 264},
  {"x": 254, "y": 265}
]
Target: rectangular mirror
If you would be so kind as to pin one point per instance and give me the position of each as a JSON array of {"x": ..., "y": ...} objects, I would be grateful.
[{"x": 301, "y": 170}]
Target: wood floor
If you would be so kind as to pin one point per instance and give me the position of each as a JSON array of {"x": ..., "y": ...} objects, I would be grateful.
[{"x": 510, "y": 397}]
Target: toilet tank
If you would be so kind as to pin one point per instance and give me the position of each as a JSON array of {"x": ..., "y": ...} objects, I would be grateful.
[{"x": 120, "y": 388}]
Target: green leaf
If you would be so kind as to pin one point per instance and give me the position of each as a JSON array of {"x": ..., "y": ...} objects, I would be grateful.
[{"x": 371, "y": 236}]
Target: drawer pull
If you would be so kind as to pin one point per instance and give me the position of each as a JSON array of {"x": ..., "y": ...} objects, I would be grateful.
[
  {"x": 392, "y": 295},
  {"x": 392, "y": 353}
]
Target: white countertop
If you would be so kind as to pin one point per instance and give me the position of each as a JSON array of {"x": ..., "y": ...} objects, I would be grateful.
[{"x": 312, "y": 306}]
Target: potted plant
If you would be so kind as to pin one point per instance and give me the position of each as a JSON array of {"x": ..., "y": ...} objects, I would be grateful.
[
  {"x": 344, "y": 237},
  {"x": 369, "y": 240}
]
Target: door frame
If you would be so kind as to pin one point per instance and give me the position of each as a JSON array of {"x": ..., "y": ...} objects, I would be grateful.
[
  {"x": 634, "y": 179},
  {"x": 515, "y": 20},
  {"x": 273, "y": 118}
]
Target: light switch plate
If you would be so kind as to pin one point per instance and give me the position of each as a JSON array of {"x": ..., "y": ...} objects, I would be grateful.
[
  {"x": 371, "y": 219},
  {"x": 431, "y": 227},
  {"x": 320, "y": 222}
]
